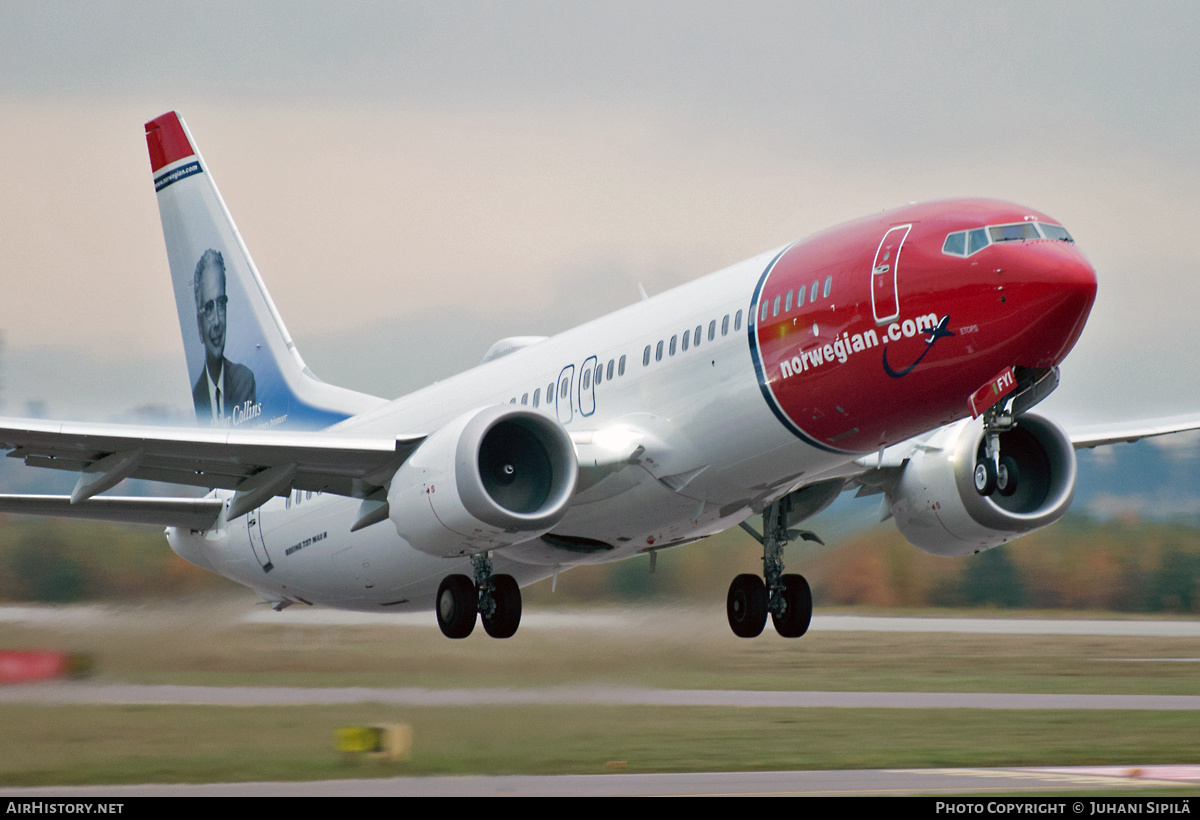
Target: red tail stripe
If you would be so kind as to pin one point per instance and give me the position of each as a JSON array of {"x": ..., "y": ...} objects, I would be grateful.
[{"x": 167, "y": 141}]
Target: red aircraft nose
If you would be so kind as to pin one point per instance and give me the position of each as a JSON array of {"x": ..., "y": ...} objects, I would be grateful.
[{"x": 1055, "y": 287}]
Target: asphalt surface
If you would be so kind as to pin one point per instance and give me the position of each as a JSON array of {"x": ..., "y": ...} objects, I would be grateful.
[
  {"x": 867, "y": 782},
  {"x": 89, "y": 693}
]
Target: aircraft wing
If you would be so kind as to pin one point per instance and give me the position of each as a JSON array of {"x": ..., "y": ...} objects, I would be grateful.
[
  {"x": 256, "y": 465},
  {"x": 1082, "y": 437},
  {"x": 1095, "y": 435}
]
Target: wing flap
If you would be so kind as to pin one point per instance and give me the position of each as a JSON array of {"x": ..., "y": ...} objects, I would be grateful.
[{"x": 190, "y": 513}]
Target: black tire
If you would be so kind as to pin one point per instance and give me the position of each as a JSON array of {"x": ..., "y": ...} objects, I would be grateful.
[
  {"x": 457, "y": 605},
  {"x": 984, "y": 477},
  {"x": 1008, "y": 476},
  {"x": 746, "y": 606},
  {"x": 798, "y": 614},
  {"x": 506, "y": 617}
]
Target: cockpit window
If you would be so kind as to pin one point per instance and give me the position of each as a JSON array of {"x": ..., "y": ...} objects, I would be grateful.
[
  {"x": 1055, "y": 232},
  {"x": 965, "y": 243},
  {"x": 1013, "y": 233},
  {"x": 956, "y": 244}
]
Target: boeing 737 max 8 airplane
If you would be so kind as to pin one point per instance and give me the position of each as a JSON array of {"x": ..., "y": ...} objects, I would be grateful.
[{"x": 897, "y": 355}]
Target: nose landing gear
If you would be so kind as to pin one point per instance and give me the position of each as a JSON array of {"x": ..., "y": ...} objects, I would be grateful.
[
  {"x": 1024, "y": 388},
  {"x": 994, "y": 472}
]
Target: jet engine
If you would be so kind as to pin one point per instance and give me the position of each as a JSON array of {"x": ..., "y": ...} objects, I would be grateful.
[
  {"x": 938, "y": 509},
  {"x": 490, "y": 478}
]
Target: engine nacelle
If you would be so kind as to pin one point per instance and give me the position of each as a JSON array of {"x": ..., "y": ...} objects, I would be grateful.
[
  {"x": 490, "y": 478},
  {"x": 937, "y": 508}
]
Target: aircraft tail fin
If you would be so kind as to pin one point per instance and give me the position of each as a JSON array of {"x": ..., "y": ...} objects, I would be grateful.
[{"x": 242, "y": 363}]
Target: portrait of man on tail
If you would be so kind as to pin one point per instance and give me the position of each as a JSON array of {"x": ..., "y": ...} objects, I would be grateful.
[{"x": 225, "y": 389}]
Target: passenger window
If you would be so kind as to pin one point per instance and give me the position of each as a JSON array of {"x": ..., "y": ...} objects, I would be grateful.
[
  {"x": 525, "y": 398},
  {"x": 587, "y": 378},
  {"x": 562, "y": 390},
  {"x": 620, "y": 366},
  {"x": 696, "y": 336},
  {"x": 513, "y": 400},
  {"x": 537, "y": 395},
  {"x": 658, "y": 351},
  {"x": 763, "y": 316},
  {"x": 646, "y": 356},
  {"x": 737, "y": 321},
  {"x": 550, "y": 392},
  {"x": 812, "y": 296},
  {"x": 775, "y": 306},
  {"x": 599, "y": 373},
  {"x": 673, "y": 340},
  {"x": 725, "y": 324},
  {"x": 687, "y": 338},
  {"x": 828, "y": 286},
  {"x": 712, "y": 330},
  {"x": 787, "y": 303},
  {"x": 610, "y": 369}
]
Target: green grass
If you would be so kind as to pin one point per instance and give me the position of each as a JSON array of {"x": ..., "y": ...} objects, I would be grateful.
[
  {"x": 190, "y": 744},
  {"x": 688, "y": 649}
]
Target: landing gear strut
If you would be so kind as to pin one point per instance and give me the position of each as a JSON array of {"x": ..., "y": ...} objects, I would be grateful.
[
  {"x": 994, "y": 472},
  {"x": 787, "y": 598},
  {"x": 495, "y": 599}
]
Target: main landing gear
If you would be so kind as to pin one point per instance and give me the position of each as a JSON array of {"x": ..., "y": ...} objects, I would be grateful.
[
  {"x": 995, "y": 472},
  {"x": 787, "y": 598},
  {"x": 495, "y": 599}
]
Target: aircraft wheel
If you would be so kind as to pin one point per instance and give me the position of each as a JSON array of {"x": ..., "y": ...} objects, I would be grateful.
[
  {"x": 746, "y": 606},
  {"x": 457, "y": 606},
  {"x": 985, "y": 477},
  {"x": 506, "y": 617},
  {"x": 798, "y": 613},
  {"x": 1007, "y": 476}
]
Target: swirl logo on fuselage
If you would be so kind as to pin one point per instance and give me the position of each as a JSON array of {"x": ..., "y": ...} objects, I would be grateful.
[
  {"x": 939, "y": 331},
  {"x": 842, "y": 348}
]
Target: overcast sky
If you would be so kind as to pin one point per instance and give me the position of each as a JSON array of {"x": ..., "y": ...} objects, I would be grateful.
[{"x": 414, "y": 179}]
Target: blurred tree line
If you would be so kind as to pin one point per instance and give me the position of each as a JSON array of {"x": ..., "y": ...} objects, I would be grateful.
[
  {"x": 61, "y": 561},
  {"x": 1078, "y": 564}
]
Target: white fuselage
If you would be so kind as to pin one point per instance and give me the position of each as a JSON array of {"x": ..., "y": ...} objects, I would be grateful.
[{"x": 699, "y": 414}]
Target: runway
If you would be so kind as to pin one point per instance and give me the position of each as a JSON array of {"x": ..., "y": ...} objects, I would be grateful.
[
  {"x": 130, "y": 694},
  {"x": 866, "y": 782},
  {"x": 623, "y": 619}
]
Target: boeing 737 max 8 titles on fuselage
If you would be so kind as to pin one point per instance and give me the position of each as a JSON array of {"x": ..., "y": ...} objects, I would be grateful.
[{"x": 897, "y": 355}]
